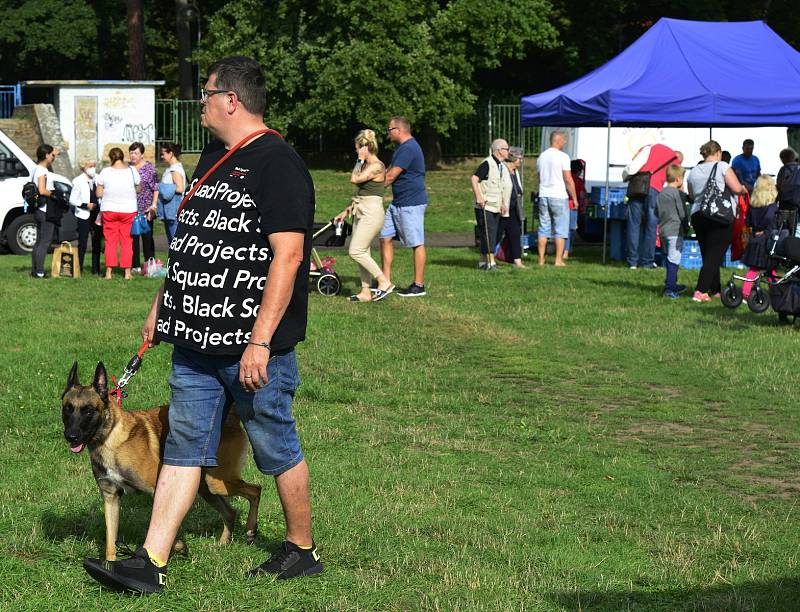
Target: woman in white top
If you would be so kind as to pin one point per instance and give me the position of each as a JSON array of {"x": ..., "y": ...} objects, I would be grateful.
[
  {"x": 45, "y": 155},
  {"x": 173, "y": 183},
  {"x": 713, "y": 237},
  {"x": 117, "y": 186},
  {"x": 85, "y": 210}
]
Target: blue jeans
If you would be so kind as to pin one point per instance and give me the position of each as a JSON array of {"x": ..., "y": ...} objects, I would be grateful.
[
  {"x": 573, "y": 225},
  {"x": 203, "y": 389},
  {"x": 642, "y": 246}
]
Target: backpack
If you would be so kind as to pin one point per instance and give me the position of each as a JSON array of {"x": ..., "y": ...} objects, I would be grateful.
[
  {"x": 789, "y": 192},
  {"x": 30, "y": 195}
]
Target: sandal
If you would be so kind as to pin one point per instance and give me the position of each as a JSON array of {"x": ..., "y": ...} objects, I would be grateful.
[
  {"x": 355, "y": 298},
  {"x": 379, "y": 295}
]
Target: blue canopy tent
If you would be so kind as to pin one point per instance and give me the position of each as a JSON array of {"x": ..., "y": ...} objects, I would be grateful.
[{"x": 682, "y": 73}]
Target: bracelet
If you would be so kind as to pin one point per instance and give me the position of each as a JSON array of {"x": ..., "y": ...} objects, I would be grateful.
[{"x": 262, "y": 344}]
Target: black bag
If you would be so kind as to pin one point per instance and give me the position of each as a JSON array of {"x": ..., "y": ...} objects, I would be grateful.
[
  {"x": 713, "y": 204},
  {"x": 30, "y": 195},
  {"x": 785, "y": 298},
  {"x": 789, "y": 192},
  {"x": 639, "y": 183}
]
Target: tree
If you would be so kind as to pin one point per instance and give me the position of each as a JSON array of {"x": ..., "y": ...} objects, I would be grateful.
[
  {"x": 184, "y": 37},
  {"x": 335, "y": 62},
  {"x": 135, "y": 23},
  {"x": 46, "y": 39}
]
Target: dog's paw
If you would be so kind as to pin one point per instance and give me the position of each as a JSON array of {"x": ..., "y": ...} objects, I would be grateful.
[{"x": 251, "y": 536}]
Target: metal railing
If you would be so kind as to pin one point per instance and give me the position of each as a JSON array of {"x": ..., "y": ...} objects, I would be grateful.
[
  {"x": 179, "y": 121},
  {"x": 10, "y": 97}
]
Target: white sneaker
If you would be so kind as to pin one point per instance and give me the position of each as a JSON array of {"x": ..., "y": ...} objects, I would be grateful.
[{"x": 631, "y": 267}]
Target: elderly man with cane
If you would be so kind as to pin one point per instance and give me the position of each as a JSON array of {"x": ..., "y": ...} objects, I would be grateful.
[{"x": 491, "y": 186}]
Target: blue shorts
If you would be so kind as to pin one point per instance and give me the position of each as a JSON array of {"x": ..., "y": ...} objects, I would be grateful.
[
  {"x": 405, "y": 222},
  {"x": 553, "y": 217},
  {"x": 203, "y": 388}
]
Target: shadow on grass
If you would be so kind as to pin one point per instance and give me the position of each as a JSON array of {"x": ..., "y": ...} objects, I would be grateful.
[
  {"x": 646, "y": 284},
  {"x": 742, "y": 319},
  {"x": 777, "y": 595},
  {"x": 88, "y": 522}
]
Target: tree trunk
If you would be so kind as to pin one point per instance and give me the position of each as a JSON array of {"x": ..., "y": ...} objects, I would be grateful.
[
  {"x": 431, "y": 146},
  {"x": 184, "y": 36},
  {"x": 136, "y": 63}
]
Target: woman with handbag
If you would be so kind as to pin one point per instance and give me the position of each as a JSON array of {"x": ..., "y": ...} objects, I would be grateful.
[
  {"x": 712, "y": 215},
  {"x": 171, "y": 187},
  {"x": 117, "y": 186},
  {"x": 146, "y": 201}
]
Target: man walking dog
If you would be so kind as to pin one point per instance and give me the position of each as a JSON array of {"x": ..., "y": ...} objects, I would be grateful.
[{"x": 234, "y": 304}]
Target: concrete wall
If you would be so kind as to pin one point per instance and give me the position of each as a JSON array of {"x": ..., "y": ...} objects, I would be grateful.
[{"x": 95, "y": 118}]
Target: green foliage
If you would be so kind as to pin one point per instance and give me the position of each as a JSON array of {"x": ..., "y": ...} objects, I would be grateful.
[
  {"x": 339, "y": 61},
  {"x": 46, "y": 39}
]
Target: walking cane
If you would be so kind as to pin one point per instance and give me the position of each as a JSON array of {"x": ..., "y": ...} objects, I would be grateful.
[{"x": 489, "y": 248}]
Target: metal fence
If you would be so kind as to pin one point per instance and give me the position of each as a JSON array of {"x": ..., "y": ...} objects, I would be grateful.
[
  {"x": 10, "y": 96},
  {"x": 179, "y": 121},
  {"x": 474, "y": 135}
]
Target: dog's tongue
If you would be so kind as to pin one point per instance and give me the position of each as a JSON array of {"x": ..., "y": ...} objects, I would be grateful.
[{"x": 77, "y": 449}]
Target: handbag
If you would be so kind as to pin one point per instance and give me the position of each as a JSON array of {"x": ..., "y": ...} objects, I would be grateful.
[
  {"x": 154, "y": 268},
  {"x": 639, "y": 183},
  {"x": 140, "y": 226},
  {"x": 166, "y": 191},
  {"x": 65, "y": 262},
  {"x": 714, "y": 206}
]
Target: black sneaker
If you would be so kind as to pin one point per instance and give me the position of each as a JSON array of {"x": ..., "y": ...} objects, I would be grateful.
[
  {"x": 290, "y": 561},
  {"x": 137, "y": 574},
  {"x": 414, "y": 290}
]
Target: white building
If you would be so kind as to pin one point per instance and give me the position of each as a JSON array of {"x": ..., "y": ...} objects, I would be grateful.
[{"x": 95, "y": 116}]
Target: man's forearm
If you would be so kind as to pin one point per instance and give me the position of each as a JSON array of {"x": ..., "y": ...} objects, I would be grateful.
[{"x": 276, "y": 296}]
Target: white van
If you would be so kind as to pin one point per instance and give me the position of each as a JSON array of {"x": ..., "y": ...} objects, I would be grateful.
[{"x": 18, "y": 227}]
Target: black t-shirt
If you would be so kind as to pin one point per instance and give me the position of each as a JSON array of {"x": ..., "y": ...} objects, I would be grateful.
[{"x": 220, "y": 255}]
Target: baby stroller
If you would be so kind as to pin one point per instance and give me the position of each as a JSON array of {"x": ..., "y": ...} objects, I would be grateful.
[
  {"x": 782, "y": 251},
  {"x": 321, "y": 272}
]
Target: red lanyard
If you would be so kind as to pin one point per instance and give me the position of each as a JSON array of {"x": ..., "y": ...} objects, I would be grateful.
[{"x": 222, "y": 160}]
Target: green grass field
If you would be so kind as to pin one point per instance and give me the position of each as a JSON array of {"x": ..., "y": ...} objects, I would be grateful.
[{"x": 542, "y": 439}]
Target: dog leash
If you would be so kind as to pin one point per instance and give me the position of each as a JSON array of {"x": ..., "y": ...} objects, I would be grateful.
[
  {"x": 130, "y": 371},
  {"x": 232, "y": 150}
]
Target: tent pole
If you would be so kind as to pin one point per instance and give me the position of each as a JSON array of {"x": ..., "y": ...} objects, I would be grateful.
[{"x": 608, "y": 166}]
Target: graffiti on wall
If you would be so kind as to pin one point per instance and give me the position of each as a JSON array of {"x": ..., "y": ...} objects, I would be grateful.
[{"x": 137, "y": 132}]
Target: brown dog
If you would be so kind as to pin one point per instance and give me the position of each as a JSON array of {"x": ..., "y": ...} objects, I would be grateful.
[{"x": 125, "y": 448}]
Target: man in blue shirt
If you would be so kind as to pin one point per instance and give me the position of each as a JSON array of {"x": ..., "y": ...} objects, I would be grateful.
[
  {"x": 746, "y": 166},
  {"x": 405, "y": 217}
]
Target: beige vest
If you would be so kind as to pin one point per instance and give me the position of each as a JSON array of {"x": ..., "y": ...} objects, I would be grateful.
[{"x": 496, "y": 189}]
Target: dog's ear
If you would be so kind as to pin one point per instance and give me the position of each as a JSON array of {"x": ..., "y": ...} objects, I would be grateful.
[
  {"x": 72, "y": 379},
  {"x": 100, "y": 383}
]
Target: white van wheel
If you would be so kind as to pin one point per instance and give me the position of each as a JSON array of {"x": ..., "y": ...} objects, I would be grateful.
[{"x": 21, "y": 234}]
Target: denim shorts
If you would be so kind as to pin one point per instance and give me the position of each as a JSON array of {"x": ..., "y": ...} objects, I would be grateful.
[
  {"x": 203, "y": 389},
  {"x": 553, "y": 217},
  {"x": 405, "y": 222}
]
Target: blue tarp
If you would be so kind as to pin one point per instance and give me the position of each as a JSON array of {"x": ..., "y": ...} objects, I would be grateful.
[{"x": 683, "y": 73}]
